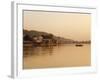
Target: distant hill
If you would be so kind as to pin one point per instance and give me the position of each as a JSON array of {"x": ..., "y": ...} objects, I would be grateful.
[{"x": 32, "y": 33}]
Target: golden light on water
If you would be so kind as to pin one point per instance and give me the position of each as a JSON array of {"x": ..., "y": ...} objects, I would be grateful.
[{"x": 75, "y": 26}]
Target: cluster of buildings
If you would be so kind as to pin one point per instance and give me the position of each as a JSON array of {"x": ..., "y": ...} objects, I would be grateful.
[{"x": 40, "y": 40}]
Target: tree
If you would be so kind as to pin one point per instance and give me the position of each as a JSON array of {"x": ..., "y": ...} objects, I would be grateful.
[{"x": 27, "y": 38}]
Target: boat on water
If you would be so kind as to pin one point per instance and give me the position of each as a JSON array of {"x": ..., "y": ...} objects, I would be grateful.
[{"x": 79, "y": 45}]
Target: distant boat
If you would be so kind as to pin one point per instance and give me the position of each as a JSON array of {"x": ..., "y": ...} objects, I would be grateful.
[{"x": 79, "y": 45}]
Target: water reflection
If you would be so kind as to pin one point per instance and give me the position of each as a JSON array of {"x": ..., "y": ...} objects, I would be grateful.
[
  {"x": 56, "y": 56},
  {"x": 29, "y": 50}
]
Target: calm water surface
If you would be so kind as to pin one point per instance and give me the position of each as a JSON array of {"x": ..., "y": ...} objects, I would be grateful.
[{"x": 67, "y": 55}]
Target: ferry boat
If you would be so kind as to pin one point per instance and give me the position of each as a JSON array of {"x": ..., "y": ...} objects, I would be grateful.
[{"x": 79, "y": 45}]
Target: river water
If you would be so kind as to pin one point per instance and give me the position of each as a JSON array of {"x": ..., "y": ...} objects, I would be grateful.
[{"x": 67, "y": 55}]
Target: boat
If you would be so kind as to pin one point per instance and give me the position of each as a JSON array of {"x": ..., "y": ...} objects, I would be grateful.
[{"x": 79, "y": 45}]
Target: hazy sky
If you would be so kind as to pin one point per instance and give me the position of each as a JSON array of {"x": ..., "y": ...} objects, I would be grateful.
[{"x": 69, "y": 25}]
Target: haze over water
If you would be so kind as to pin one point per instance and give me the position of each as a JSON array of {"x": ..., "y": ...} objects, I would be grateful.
[{"x": 74, "y": 26}]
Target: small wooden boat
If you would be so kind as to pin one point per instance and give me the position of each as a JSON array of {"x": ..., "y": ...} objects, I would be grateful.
[{"x": 79, "y": 45}]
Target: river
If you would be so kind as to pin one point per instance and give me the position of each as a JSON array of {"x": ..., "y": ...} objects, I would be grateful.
[{"x": 67, "y": 55}]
